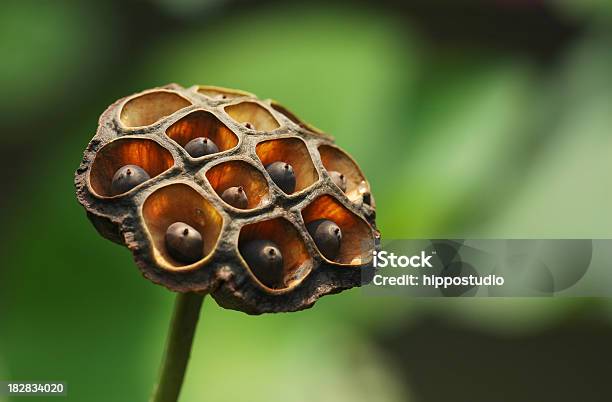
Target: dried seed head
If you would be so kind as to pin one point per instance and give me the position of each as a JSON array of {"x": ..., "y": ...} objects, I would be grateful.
[
  {"x": 339, "y": 179},
  {"x": 265, "y": 260},
  {"x": 283, "y": 175},
  {"x": 184, "y": 243},
  {"x": 201, "y": 146},
  {"x": 128, "y": 177},
  {"x": 236, "y": 197},
  {"x": 184, "y": 230},
  {"x": 327, "y": 236}
]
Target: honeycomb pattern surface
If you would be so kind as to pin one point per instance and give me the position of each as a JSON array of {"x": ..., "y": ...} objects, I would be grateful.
[{"x": 151, "y": 130}]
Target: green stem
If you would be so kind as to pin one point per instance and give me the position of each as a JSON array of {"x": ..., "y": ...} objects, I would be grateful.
[{"x": 178, "y": 347}]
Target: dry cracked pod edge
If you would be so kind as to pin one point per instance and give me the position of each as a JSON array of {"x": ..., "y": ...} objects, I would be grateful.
[{"x": 150, "y": 129}]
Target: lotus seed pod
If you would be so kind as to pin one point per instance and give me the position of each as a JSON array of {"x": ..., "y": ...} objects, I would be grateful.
[
  {"x": 225, "y": 251},
  {"x": 283, "y": 175},
  {"x": 236, "y": 197},
  {"x": 128, "y": 177},
  {"x": 201, "y": 146},
  {"x": 266, "y": 260},
  {"x": 338, "y": 179},
  {"x": 327, "y": 236},
  {"x": 184, "y": 243}
]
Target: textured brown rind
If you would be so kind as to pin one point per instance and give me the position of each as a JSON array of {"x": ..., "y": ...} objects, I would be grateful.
[{"x": 222, "y": 272}]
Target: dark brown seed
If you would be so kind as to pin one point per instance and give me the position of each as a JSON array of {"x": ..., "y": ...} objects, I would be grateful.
[
  {"x": 128, "y": 177},
  {"x": 327, "y": 235},
  {"x": 339, "y": 179},
  {"x": 236, "y": 197},
  {"x": 201, "y": 146},
  {"x": 184, "y": 243},
  {"x": 248, "y": 125},
  {"x": 283, "y": 175},
  {"x": 265, "y": 261}
]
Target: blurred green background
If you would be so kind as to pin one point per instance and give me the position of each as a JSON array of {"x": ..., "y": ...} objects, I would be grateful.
[{"x": 470, "y": 119}]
